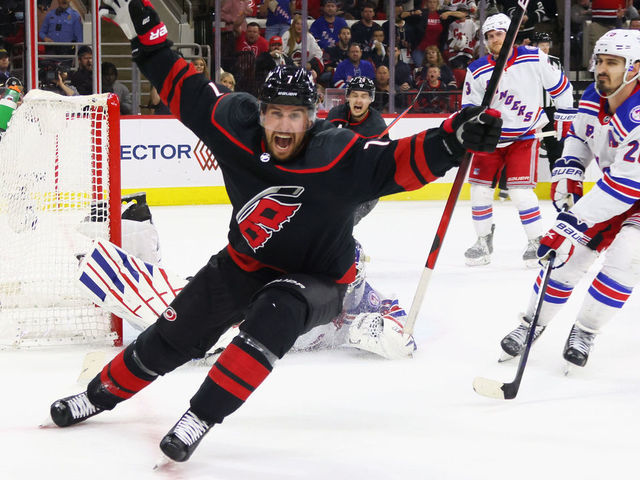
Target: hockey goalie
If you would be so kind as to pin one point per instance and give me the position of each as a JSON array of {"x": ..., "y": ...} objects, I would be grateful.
[{"x": 138, "y": 290}]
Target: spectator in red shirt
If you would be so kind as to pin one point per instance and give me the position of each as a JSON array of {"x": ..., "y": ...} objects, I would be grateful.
[{"x": 252, "y": 41}]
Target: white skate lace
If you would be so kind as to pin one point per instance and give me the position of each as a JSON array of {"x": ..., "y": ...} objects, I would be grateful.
[
  {"x": 81, "y": 406},
  {"x": 520, "y": 333},
  {"x": 190, "y": 428},
  {"x": 580, "y": 340}
]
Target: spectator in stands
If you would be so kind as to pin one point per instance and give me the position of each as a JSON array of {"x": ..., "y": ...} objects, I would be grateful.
[
  {"x": 4, "y": 66},
  {"x": 428, "y": 25},
  {"x": 605, "y": 15},
  {"x": 326, "y": 29},
  {"x": 362, "y": 30},
  {"x": 110, "y": 83},
  {"x": 200, "y": 64},
  {"x": 403, "y": 80},
  {"x": 279, "y": 15},
  {"x": 381, "y": 100},
  {"x": 252, "y": 41},
  {"x": 534, "y": 15},
  {"x": 434, "y": 98},
  {"x": 634, "y": 24},
  {"x": 580, "y": 13},
  {"x": 61, "y": 25},
  {"x": 58, "y": 82},
  {"x": 228, "y": 81},
  {"x": 11, "y": 22},
  {"x": 378, "y": 52},
  {"x": 314, "y": 9},
  {"x": 267, "y": 61},
  {"x": 82, "y": 78},
  {"x": 462, "y": 40},
  {"x": 432, "y": 56},
  {"x": 403, "y": 33},
  {"x": 353, "y": 66},
  {"x": 334, "y": 55},
  {"x": 292, "y": 42}
]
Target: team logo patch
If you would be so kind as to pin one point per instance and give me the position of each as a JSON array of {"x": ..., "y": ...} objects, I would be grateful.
[
  {"x": 265, "y": 157},
  {"x": 266, "y": 213},
  {"x": 170, "y": 314},
  {"x": 634, "y": 114}
]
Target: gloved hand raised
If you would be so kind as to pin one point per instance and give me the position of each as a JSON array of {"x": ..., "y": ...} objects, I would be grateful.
[
  {"x": 475, "y": 128},
  {"x": 139, "y": 21}
]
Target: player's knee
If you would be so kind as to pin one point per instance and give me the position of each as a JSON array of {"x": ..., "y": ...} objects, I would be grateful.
[
  {"x": 276, "y": 318},
  {"x": 158, "y": 355},
  {"x": 622, "y": 260},
  {"x": 481, "y": 195},
  {"x": 523, "y": 198},
  {"x": 572, "y": 271}
]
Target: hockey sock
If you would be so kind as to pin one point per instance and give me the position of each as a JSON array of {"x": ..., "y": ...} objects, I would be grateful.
[
  {"x": 555, "y": 297},
  {"x": 241, "y": 368},
  {"x": 528, "y": 207},
  {"x": 482, "y": 209},
  {"x": 120, "y": 379},
  {"x": 604, "y": 299}
]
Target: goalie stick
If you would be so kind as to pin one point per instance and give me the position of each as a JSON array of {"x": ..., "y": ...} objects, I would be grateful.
[
  {"x": 492, "y": 86},
  {"x": 508, "y": 391}
]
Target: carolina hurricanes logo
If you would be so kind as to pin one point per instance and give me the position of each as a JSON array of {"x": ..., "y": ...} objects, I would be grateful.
[
  {"x": 266, "y": 213},
  {"x": 170, "y": 314}
]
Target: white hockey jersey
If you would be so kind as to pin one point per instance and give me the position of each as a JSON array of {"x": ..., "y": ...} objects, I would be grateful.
[
  {"x": 614, "y": 142},
  {"x": 519, "y": 97}
]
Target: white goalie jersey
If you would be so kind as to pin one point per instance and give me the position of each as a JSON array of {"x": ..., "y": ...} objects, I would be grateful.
[
  {"x": 519, "y": 97},
  {"x": 614, "y": 142}
]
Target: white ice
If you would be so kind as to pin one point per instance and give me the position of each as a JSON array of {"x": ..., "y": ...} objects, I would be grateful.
[{"x": 344, "y": 414}]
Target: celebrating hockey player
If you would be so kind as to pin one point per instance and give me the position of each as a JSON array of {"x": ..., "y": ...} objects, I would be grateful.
[
  {"x": 607, "y": 128},
  {"x": 294, "y": 185},
  {"x": 519, "y": 99}
]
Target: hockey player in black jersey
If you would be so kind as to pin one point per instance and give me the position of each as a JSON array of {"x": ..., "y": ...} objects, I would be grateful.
[
  {"x": 356, "y": 113},
  {"x": 294, "y": 184}
]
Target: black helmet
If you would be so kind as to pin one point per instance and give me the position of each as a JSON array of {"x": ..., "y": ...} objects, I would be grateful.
[
  {"x": 364, "y": 84},
  {"x": 289, "y": 85},
  {"x": 541, "y": 37}
]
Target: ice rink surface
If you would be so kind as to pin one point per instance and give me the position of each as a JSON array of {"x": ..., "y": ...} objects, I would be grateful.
[{"x": 345, "y": 414}]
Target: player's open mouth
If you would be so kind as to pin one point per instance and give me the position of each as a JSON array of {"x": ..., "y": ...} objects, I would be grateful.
[{"x": 283, "y": 141}]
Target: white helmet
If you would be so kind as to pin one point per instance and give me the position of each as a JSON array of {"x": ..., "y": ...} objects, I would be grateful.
[
  {"x": 619, "y": 43},
  {"x": 499, "y": 21}
]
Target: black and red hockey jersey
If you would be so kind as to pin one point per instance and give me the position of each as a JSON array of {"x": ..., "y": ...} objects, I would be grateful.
[
  {"x": 296, "y": 216},
  {"x": 371, "y": 126}
]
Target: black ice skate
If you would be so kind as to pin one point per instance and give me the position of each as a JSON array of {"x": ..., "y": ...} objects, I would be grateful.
[
  {"x": 578, "y": 345},
  {"x": 184, "y": 437},
  {"x": 513, "y": 343},
  {"x": 71, "y": 410}
]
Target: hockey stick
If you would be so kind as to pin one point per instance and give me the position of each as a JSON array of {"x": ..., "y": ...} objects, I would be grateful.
[
  {"x": 507, "y": 391},
  {"x": 492, "y": 86},
  {"x": 403, "y": 113},
  {"x": 550, "y": 133}
]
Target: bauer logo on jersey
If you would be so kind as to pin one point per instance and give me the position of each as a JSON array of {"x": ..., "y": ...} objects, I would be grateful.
[
  {"x": 266, "y": 213},
  {"x": 170, "y": 314},
  {"x": 634, "y": 114}
]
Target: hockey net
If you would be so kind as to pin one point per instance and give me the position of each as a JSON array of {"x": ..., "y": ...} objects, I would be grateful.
[{"x": 59, "y": 189}]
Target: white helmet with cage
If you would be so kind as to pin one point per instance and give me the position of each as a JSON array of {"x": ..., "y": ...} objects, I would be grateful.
[
  {"x": 499, "y": 21},
  {"x": 619, "y": 43}
]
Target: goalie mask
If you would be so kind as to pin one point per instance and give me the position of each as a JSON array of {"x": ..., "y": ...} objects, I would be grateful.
[
  {"x": 618, "y": 43},
  {"x": 498, "y": 21},
  {"x": 289, "y": 85}
]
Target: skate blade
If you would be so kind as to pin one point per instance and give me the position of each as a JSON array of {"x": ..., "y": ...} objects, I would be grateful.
[
  {"x": 163, "y": 463},
  {"x": 477, "y": 262},
  {"x": 532, "y": 263},
  {"x": 505, "y": 357},
  {"x": 47, "y": 423},
  {"x": 568, "y": 368}
]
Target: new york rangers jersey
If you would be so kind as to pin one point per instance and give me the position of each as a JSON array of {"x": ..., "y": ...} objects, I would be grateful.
[
  {"x": 614, "y": 142},
  {"x": 519, "y": 96}
]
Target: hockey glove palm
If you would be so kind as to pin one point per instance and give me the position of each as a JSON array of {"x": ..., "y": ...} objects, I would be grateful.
[
  {"x": 139, "y": 21},
  {"x": 566, "y": 183},
  {"x": 566, "y": 233},
  {"x": 562, "y": 120},
  {"x": 475, "y": 128}
]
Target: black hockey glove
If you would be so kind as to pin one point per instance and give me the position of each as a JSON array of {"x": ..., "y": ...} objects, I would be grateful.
[
  {"x": 140, "y": 23},
  {"x": 473, "y": 128}
]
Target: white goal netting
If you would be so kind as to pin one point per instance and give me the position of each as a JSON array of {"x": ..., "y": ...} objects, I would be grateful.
[{"x": 57, "y": 169}]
